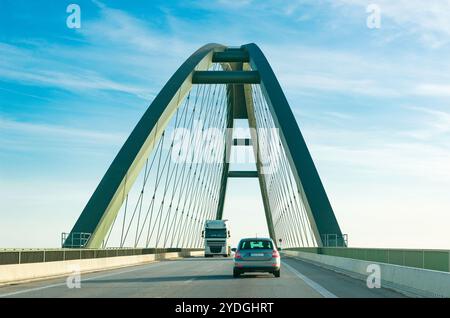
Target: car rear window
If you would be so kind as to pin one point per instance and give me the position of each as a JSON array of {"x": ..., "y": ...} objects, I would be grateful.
[{"x": 255, "y": 245}]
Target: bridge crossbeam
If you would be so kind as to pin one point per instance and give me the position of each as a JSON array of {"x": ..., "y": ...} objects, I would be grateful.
[{"x": 226, "y": 77}]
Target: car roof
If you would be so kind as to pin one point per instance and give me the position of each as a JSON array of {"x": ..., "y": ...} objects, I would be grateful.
[{"x": 257, "y": 238}]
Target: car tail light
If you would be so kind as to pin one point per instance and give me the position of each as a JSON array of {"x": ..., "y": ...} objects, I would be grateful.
[
  {"x": 237, "y": 255},
  {"x": 275, "y": 254}
]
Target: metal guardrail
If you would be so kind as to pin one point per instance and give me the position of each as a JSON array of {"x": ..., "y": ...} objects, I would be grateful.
[
  {"x": 24, "y": 256},
  {"x": 438, "y": 260},
  {"x": 335, "y": 240},
  {"x": 74, "y": 239}
]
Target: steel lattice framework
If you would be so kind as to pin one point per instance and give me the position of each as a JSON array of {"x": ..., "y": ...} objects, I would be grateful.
[{"x": 181, "y": 177}]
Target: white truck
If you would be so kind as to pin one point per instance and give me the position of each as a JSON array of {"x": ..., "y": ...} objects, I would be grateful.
[{"x": 217, "y": 238}]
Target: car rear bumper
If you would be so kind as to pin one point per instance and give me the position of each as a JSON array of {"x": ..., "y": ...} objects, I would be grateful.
[
  {"x": 257, "y": 269},
  {"x": 257, "y": 266}
]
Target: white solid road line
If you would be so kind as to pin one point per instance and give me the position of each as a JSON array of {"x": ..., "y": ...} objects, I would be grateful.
[
  {"x": 318, "y": 288},
  {"x": 82, "y": 280},
  {"x": 30, "y": 290}
]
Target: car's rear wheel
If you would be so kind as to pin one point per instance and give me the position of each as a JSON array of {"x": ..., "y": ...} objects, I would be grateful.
[
  {"x": 276, "y": 273},
  {"x": 236, "y": 273}
]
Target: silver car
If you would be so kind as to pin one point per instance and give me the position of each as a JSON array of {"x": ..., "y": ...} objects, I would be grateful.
[{"x": 256, "y": 255}]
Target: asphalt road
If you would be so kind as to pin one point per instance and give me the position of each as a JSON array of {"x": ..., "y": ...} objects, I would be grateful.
[{"x": 201, "y": 277}]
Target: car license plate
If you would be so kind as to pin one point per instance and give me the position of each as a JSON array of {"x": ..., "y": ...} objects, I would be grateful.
[{"x": 258, "y": 254}]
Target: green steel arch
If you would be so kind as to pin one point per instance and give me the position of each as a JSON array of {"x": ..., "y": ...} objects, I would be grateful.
[{"x": 242, "y": 67}]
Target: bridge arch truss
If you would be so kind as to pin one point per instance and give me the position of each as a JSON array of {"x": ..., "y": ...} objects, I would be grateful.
[{"x": 180, "y": 176}]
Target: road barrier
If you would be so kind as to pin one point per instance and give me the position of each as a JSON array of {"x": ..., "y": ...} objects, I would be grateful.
[
  {"x": 25, "y": 256},
  {"x": 438, "y": 260},
  {"x": 28, "y": 265}
]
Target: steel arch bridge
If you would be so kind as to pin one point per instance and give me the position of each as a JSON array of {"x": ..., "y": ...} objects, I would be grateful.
[{"x": 171, "y": 174}]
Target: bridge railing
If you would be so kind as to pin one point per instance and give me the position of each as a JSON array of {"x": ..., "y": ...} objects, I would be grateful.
[
  {"x": 23, "y": 256},
  {"x": 438, "y": 260}
]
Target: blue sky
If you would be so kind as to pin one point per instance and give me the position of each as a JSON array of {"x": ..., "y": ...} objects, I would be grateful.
[{"x": 373, "y": 104}]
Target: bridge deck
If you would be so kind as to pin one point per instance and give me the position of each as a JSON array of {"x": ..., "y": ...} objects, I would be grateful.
[{"x": 199, "y": 277}]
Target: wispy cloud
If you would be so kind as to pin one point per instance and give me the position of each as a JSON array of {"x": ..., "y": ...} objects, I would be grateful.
[
  {"x": 23, "y": 65},
  {"x": 393, "y": 160},
  {"x": 434, "y": 90},
  {"x": 418, "y": 150},
  {"x": 425, "y": 21},
  {"x": 430, "y": 124},
  {"x": 60, "y": 131},
  {"x": 131, "y": 45},
  {"x": 428, "y": 20},
  {"x": 306, "y": 68},
  {"x": 29, "y": 137}
]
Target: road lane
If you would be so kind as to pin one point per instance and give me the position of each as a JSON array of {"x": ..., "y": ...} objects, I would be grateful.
[
  {"x": 200, "y": 277},
  {"x": 339, "y": 284}
]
